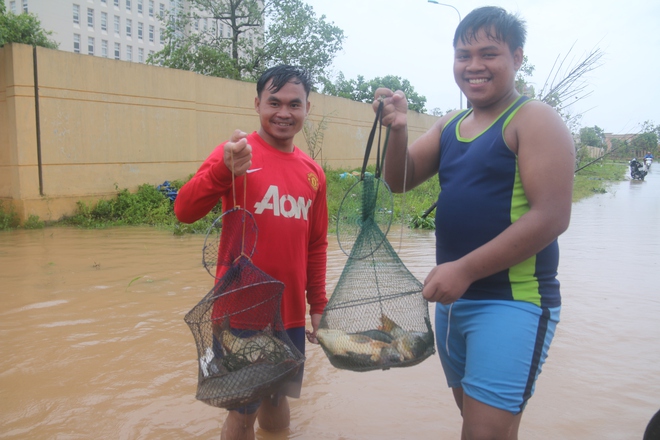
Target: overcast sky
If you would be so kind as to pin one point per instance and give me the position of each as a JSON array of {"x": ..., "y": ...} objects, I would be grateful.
[{"x": 413, "y": 39}]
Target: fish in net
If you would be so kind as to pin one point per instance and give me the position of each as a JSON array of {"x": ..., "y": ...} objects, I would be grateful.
[
  {"x": 244, "y": 353},
  {"x": 376, "y": 317}
]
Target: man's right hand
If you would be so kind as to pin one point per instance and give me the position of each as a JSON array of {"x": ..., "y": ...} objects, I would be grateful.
[
  {"x": 238, "y": 153},
  {"x": 395, "y": 109}
]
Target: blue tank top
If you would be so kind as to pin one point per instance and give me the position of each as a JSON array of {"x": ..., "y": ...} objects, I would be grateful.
[{"x": 480, "y": 196}]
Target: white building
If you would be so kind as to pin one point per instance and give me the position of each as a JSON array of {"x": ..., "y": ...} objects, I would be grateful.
[
  {"x": 128, "y": 30},
  {"x": 121, "y": 29}
]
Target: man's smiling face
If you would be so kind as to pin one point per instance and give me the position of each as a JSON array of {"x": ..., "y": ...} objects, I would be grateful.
[
  {"x": 485, "y": 69},
  {"x": 282, "y": 113}
]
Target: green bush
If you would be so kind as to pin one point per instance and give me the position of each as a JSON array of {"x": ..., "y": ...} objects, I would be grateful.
[
  {"x": 33, "y": 222},
  {"x": 149, "y": 206},
  {"x": 8, "y": 218}
]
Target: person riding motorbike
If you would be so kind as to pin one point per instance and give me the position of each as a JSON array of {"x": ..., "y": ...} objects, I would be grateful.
[
  {"x": 637, "y": 171},
  {"x": 648, "y": 160}
]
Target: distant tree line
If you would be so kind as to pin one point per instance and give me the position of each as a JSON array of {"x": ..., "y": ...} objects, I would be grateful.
[{"x": 240, "y": 39}]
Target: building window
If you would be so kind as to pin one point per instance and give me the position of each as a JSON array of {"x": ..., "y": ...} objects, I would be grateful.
[
  {"x": 129, "y": 27},
  {"x": 25, "y": 6},
  {"x": 90, "y": 45},
  {"x": 90, "y": 18},
  {"x": 140, "y": 55},
  {"x": 104, "y": 21},
  {"x": 151, "y": 8},
  {"x": 161, "y": 9},
  {"x": 128, "y": 5},
  {"x": 152, "y": 31},
  {"x": 116, "y": 24},
  {"x": 161, "y": 36},
  {"x": 117, "y": 50},
  {"x": 140, "y": 31},
  {"x": 139, "y": 6},
  {"x": 76, "y": 14},
  {"x": 116, "y": 3},
  {"x": 104, "y": 48},
  {"x": 12, "y": 7},
  {"x": 76, "y": 43},
  {"x": 129, "y": 53},
  {"x": 104, "y": 2}
]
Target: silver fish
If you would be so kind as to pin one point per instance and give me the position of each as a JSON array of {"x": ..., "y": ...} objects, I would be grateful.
[
  {"x": 356, "y": 346},
  {"x": 260, "y": 347},
  {"x": 411, "y": 345}
]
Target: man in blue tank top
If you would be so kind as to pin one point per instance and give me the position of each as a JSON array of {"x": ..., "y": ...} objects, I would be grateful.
[{"x": 505, "y": 168}]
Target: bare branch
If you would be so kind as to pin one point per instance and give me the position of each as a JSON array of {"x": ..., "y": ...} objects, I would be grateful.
[{"x": 564, "y": 89}]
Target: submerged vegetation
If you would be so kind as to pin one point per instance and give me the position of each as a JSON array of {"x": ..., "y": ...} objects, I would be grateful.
[
  {"x": 151, "y": 206},
  {"x": 597, "y": 178},
  {"x": 8, "y": 218}
]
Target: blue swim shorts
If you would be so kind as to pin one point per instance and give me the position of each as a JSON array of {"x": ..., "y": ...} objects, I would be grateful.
[
  {"x": 494, "y": 349},
  {"x": 290, "y": 388}
]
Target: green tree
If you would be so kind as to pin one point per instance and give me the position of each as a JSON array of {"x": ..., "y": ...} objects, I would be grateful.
[
  {"x": 592, "y": 136},
  {"x": 621, "y": 149},
  {"x": 355, "y": 89},
  {"x": 23, "y": 28},
  {"x": 364, "y": 91},
  {"x": 224, "y": 38},
  {"x": 296, "y": 36},
  {"x": 647, "y": 140},
  {"x": 209, "y": 36}
]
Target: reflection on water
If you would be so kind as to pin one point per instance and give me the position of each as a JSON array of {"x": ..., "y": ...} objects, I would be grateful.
[{"x": 94, "y": 343}]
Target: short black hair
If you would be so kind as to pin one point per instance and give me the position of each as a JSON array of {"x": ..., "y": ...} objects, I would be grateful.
[
  {"x": 498, "y": 24},
  {"x": 283, "y": 74}
]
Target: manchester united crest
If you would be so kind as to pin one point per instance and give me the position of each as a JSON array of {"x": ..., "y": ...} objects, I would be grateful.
[{"x": 313, "y": 181}]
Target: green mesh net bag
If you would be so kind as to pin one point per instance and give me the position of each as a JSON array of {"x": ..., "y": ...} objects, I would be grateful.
[
  {"x": 376, "y": 317},
  {"x": 244, "y": 353}
]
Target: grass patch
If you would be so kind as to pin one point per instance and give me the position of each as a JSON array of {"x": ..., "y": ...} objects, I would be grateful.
[
  {"x": 33, "y": 222},
  {"x": 8, "y": 218},
  {"x": 150, "y": 206},
  {"x": 408, "y": 207},
  {"x": 597, "y": 178}
]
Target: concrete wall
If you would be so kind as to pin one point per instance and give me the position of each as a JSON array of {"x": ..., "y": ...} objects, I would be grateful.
[{"x": 106, "y": 124}]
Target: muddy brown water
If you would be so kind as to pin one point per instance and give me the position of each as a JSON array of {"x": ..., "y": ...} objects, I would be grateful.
[{"x": 93, "y": 343}]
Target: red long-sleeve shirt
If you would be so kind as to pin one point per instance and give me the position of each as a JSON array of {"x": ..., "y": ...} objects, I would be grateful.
[{"x": 286, "y": 194}]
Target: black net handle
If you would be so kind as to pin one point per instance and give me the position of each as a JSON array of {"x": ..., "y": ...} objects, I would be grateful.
[{"x": 378, "y": 124}]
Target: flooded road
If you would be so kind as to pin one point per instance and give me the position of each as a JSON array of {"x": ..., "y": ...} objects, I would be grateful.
[{"x": 93, "y": 343}]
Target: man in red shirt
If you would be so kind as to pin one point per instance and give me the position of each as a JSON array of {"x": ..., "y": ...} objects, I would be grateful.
[{"x": 286, "y": 193}]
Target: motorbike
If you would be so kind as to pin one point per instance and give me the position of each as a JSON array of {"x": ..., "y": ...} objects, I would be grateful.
[
  {"x": 648, "y": 161},
  {"x": 637, "y": 171}
]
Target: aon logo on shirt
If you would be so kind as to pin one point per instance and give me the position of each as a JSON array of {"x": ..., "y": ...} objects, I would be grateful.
[{"x": 286, "y": 205}]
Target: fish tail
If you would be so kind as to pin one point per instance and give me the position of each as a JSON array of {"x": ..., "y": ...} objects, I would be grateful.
[
  {"x": 220, "y": 325},
  {"x": 387, "y": 323}
]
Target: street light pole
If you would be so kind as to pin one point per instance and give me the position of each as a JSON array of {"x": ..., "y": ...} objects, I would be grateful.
[{"x": 460, "y": 93}]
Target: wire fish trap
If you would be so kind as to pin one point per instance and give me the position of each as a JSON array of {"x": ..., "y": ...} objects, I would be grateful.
[
  {"x": 376, "y": 317},
  {"x": 244, "y": 353}
]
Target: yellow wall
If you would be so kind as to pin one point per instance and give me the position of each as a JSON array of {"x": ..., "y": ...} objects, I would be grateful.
[{"x": 107, "y": 124}]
